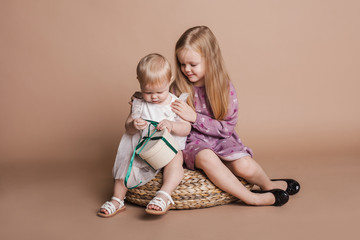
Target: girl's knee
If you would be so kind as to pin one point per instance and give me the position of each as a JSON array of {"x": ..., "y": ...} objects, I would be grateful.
[
  {"x": 206, "y": 159},
  {"x": 246, "y": 166}
]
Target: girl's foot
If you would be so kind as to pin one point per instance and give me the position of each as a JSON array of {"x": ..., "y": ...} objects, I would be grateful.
[
  {"x": 111, "y": 208},
  {"x": 291, "y": 186},
  {"x": 281, "y": 197},
  {"x": 276, "y": 185}
]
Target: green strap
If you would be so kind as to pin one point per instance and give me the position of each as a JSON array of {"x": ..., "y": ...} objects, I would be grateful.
[
  {"x": 166, "y": 142},
  {"x": 134, "y": 152}
]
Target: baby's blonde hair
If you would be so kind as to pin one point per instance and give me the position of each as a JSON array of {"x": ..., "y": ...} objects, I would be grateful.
[
  {"x": 153, "y": 70},
  {"x": 203, "y": 41}
]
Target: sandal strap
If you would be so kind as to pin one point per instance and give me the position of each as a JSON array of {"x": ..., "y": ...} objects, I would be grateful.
[
  {"x": 157, "y": 201},
  {"x": 109, "y": 207},
  {"x": 166, "y": 195},
  {"x": 121, "y": 202}
]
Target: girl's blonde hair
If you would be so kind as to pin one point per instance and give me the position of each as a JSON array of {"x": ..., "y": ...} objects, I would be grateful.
[
  {"x": 217, "y": 80},
  {"x": 153, "y": 70}
]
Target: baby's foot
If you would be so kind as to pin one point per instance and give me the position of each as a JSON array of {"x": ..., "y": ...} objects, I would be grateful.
[
  {"x": 160, "y": 204},
  {"x": 154, "y": 207},
  {"x": 111, "y": 208},
  {"x": 116, "y": 204}
]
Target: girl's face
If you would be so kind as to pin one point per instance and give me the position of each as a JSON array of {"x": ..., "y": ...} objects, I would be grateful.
[
  {"x": 157, "y": 94},
  {"x": 192, "y": 65}
]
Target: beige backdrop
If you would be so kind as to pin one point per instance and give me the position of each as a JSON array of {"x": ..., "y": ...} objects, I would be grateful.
[{"x": 67, "y": 71}]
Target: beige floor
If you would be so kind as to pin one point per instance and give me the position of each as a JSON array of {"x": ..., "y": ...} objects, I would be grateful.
[{"x": 60, "y": 202}]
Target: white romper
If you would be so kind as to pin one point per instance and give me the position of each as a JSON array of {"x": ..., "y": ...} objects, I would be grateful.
[{"x": 141, "y": 172}]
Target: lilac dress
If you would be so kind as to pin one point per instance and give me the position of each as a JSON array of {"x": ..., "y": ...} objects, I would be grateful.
[{"x": 209, "y": 133}]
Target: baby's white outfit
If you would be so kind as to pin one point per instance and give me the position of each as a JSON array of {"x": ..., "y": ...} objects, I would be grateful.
[{"x": 141, "y": 172}]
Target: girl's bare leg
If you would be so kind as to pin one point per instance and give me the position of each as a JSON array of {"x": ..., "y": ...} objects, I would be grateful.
[
  {"x": 251, "y": 171},
  {"x": 119, "y": 192},
  {"x": 172, "y": 175},
  {"x": 223, "y": 178}
]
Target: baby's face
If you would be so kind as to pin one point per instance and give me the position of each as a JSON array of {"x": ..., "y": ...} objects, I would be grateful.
[{"x": 157, "y": 94}]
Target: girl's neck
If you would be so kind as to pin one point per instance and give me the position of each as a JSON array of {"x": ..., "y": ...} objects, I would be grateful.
[{"x": 200, "y": 83}]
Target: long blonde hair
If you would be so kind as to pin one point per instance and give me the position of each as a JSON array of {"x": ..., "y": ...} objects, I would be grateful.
[{"x": 217, "y": 80}]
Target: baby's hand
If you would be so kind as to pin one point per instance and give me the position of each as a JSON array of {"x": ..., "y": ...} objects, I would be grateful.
[
  {"x": 165, "y": 124},
  {"x": 140, "y": 123}
]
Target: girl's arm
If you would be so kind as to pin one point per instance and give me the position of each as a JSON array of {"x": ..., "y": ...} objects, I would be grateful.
[
  {"x": 215, "y": 128},
  {"x": 208, "y": 125}
]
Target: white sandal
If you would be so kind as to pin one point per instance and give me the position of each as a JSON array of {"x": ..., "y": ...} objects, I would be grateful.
[
  {"x": 111, "y": 209},
  {"x": 159, "y": 202}
]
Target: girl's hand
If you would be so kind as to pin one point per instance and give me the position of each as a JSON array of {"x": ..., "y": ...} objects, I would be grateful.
[
  {"x": 165, "y": 124},
  {"x": 184, "y": 111},
  {"x": 135, "y": 95},
  {"x": 140, "y": 123}
]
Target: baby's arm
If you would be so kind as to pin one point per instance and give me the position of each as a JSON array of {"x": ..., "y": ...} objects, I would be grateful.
[
  {"x": 177, "y": 128},
  {"x": 133, "y": 126}
]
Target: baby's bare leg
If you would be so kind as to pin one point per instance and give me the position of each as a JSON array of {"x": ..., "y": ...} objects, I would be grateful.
[
  {"x": 119, "y": 192},
  {"x": 172, "y": 176},
  {"x": 119, "y": 188}
]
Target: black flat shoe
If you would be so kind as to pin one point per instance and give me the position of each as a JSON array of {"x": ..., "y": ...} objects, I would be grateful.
[
  {"x": 293, "y": 186},
  {"x": 281, "y": 197}
]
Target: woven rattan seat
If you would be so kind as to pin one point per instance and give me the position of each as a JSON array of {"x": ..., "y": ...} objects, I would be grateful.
[{"x": 194, "y": 191}]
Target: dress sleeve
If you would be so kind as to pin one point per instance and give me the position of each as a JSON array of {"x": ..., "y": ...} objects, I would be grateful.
[
  {"x": 136, "y": 108},
  {"x": 219, "y": 128}
]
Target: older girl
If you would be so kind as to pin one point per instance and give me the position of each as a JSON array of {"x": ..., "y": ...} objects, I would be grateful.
[{"x": 212, "y": 109}]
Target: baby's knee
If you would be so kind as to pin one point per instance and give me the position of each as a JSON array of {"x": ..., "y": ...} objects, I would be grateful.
[{"x": 176, "y": 162}]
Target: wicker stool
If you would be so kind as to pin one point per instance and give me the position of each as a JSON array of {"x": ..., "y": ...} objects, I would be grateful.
[{"x": 194, "y": 191}]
